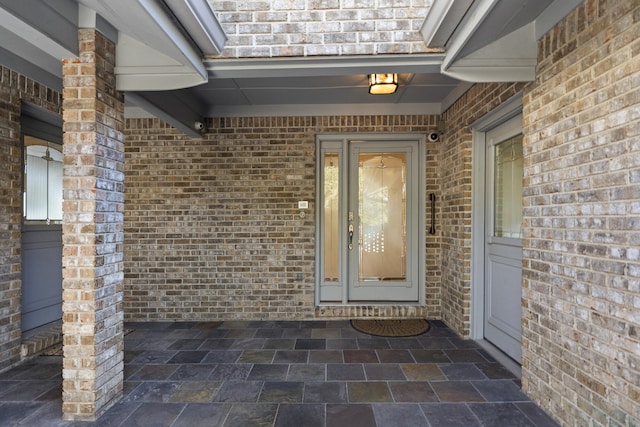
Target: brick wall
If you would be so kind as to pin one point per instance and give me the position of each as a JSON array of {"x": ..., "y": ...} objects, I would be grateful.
[
  {"x": 454, "y": 158},
  {"x": 212, "y": 227},
  {"x": 581, "y": 330},
  {"x": 321, "y": 27},
  {"x": 14, "y": 89},
  {"x": 92, "y": 231}
]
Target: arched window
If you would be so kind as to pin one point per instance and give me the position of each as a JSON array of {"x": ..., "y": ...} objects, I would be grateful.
[
  {"x": 42, "y": 184},
  {"x": 43, "y": 180}
]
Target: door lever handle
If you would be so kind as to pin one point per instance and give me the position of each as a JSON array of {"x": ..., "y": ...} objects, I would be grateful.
[{"x": 350, "y": 236}]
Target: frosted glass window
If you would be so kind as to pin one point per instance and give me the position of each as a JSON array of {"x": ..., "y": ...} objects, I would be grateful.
[
  {"x": 508, "y": 188},
  {"x": 383, "y": 224},
  {"x": 331, "y": 204},
  {"x": 43, "y": 181}
]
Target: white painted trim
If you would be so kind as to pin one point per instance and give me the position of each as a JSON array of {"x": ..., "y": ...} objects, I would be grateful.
[
  {"x": 166, "y": 24},
  {"x": 555, "y": 12},
  {"x": 34, "y": 37},
  {"x": 491, "y": 73},
  {"x": 480, "y": 127},
  {"x": 323, "y": 66},
  {"x": 31, "y": 62},
  {"x": 157, "y": 111},
  {"x": 477, "y": 234},
  {"x": 135, "y": 112},
  {"x": 205, "y": 28},
  {"x": 435, "y": 17},
  {"x": 467, "y": 29},
  {"x": 442, "y": 20},
  {"x": 294, "y": 110},
  {"x": 89, "y": 18}
]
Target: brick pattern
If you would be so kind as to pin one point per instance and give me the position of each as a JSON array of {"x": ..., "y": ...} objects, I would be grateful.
[
  {"x": 212, "y": 229},
  {"x": 40, "y": 342},
  {"x": 93, "y": 206},
  {"x": 454, "y": 158},
  {"x": 581, "y": 330},
  {"x": 321, "y": 27},
  {"x": 14, "y": 89}
]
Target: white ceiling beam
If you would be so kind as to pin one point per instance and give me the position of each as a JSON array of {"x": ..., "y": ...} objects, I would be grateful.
[
  {"x": 291, "y": 110},
  {"x": 178, "y": 109},
  {"x": 323, "y": 66},
  {"x": 34, "y": 36}
]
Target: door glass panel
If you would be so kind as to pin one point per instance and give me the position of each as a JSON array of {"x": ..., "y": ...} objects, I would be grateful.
[
  {"x": 382, "y": 212},
  {"x": 508, "y": 188},
  {"x": 43, "y": 180},
  {"x": 331, "y": 205}
]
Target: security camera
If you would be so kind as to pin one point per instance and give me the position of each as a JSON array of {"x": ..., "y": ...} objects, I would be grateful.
[
  {"x": 434, "y": 136},
  {"x": 199, "y": 126}
]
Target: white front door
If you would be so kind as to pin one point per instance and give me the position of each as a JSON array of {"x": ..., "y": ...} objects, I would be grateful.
[
  {"x": 369, "y": 220},
  {"x": 503, "y": 243}
]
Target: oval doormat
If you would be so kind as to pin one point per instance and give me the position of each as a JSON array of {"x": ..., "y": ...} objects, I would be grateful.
[{"x": 391, "y": 327}]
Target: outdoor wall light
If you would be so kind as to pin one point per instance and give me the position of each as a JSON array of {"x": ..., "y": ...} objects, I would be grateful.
[{"x": 383, "y": 84}]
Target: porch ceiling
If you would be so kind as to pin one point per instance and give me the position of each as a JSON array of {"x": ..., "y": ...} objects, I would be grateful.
[{"x": 163, "y": 46}]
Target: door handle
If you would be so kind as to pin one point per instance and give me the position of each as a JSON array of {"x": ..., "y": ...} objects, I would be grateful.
[
  {"x": 350, "y": 236},
  {"x": 432, "y": 198}
]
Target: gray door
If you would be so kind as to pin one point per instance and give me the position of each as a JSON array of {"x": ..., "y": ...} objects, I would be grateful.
[
  {"x": 41, "y": 275},
  {"x": 370, "y": 220},
  {"x": 42, "y": 226},
  {"x": 382, "y": 207},
  {"x": 503, "y": 243}
]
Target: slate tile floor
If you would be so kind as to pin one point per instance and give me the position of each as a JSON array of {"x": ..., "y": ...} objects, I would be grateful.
[{"x": 286, "y": 374}]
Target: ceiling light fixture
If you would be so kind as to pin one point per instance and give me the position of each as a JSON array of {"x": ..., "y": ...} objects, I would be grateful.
[{"x": 383, "y": 84}]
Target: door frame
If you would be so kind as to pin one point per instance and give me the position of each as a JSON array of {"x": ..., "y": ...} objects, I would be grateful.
[
  {"x": 36, "y": 235},
  {"x": 509, "y": 109},
  {"x": 344, "y": 138}
]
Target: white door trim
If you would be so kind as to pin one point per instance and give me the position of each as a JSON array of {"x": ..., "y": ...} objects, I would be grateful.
[{"x": 501, "y": 114}]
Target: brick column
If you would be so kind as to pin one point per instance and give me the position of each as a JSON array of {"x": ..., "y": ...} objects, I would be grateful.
[
  {"x": 93, "y": 113},
  {"x": 10, "y": 219}
]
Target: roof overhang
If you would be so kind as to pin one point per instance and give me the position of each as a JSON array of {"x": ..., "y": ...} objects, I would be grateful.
[
  {"x": 164, "y": 57},
  {"x": 491, "y": 40}
]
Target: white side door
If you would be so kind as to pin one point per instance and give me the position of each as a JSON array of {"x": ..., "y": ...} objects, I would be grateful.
[{"x": 503, "y": 241}]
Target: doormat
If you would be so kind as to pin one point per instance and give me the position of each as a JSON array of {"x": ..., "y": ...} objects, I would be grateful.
[
  {"x": 56, "y": 350},
  {"x": 391, "y": 327}
]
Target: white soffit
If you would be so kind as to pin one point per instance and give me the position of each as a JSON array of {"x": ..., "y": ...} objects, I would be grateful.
[
  {"x": 512, "y": 58},
  {"x": 141, "y": 68},
  {"x": 152, "y": 51}
]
